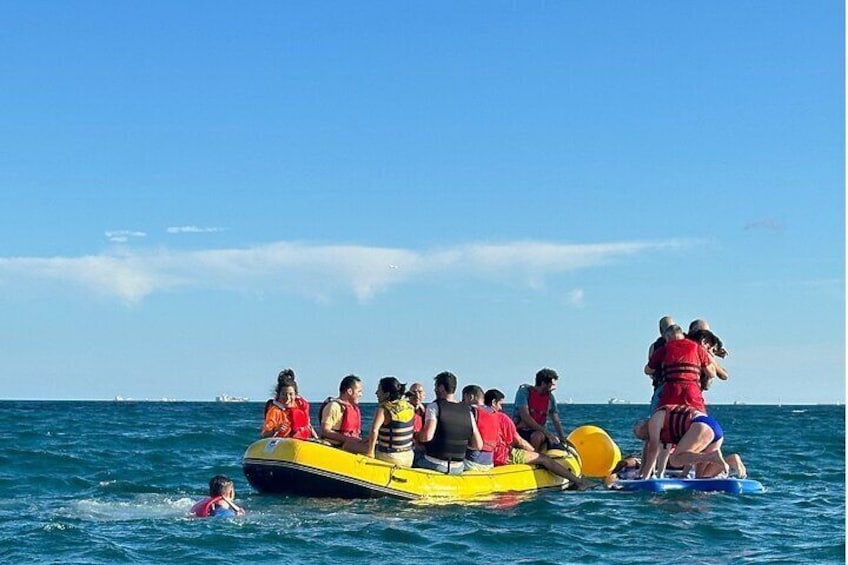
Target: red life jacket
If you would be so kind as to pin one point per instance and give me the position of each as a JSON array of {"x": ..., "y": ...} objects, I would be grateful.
[
  {"x": 299, "y": 422},
  {"x": 204, "y": 508},
  {"x": 680, "y": 361},
  {"x": 297, "y": 416},
  {"x": 488, "y": 424},
  {"x": 351, "y": 424},
  {"x": 538, "y": 404},
  {"x": 678, "y": 418},
  {"x": 417, "y": 422}
]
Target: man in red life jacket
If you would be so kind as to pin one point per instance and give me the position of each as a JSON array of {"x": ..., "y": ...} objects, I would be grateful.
[
  {"x": 533, "y": 406},
  {"x": 512, "y": 449},
  {"x": 682, "y": 363},
  {"x": 341, "y": 421},
  {"x": 416, "y": 396},
  {"x": 487, "y": 425}
]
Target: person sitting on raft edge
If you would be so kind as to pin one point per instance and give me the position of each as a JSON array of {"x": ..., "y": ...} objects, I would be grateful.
[
  {"x": 287, "y": 414},
  {"x": 532, "y": 407},
  {"x": 512, "y": 449},
  {"x": 341, "y": 418},
  {"x": 390, "y": 439},
  {"x": 220, "y": 500},
  {"x": 449, "y": 430}
]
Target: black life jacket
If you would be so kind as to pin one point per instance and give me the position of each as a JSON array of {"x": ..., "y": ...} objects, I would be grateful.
[{"x": 453, "y": 430}]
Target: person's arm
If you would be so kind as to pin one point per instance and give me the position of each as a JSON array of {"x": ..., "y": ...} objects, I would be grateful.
[
  {"x": 720, "y": 371},
  {"x": 476, "y": 441},
  {"x": 275, "y": 421},
  {"x": 428, "y": 431},
  {"x": 522, "y": 443},
  {"x": 653, "y": 446},
  {"x": 330, "y": 417},
  {"x": 662, "y": 461},
  {"x": 379, "y": 418},
  {"x": 554, "y": 414}
]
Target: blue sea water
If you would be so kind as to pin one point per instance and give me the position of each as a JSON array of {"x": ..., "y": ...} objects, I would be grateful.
[{"x": 112, "y": 482}]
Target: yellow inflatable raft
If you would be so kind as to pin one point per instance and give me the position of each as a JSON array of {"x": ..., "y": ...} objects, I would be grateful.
[{"x": 308, "y": 468}]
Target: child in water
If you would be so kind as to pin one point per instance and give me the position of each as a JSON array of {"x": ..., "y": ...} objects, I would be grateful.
[{"x": 220, "y": 499}]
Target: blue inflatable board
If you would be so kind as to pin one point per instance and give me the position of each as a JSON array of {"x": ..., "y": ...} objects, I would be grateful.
[{"x": 734, "y": 486}]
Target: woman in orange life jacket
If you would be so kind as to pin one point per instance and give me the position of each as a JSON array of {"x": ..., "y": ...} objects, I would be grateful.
[
  {"x": 341, "y": 419},
  {"x": 220, "y": 500},
  {"x": 287, "y": 414},
  {"x": 390, "y": 439}
]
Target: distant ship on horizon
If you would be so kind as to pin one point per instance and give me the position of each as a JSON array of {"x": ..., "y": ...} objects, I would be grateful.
[{"x": 227, "y": 398}]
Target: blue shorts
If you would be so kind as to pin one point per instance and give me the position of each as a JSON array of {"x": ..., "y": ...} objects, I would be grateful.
[
  {"x": 655, "y": 400},
  {"x": 718, "y": 433}
]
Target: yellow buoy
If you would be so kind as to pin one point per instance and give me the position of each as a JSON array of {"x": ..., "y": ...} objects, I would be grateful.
[{"x": 598, "y": 452}]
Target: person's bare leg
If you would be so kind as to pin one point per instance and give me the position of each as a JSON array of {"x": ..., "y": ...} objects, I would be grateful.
[{"x": 556, "y": 469}]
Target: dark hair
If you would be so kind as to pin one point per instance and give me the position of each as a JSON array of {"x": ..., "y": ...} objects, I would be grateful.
[
  {"x": 348, "y": 382},
  {"x": 284, "y": 379},
  {"x": 217, "y": 484},
  {"x": 393, "y": 389},
  {"x": 447, "y": 380},
  {"x": 473, "y": 390},
  {"x": 493, "y": 395},
  {"x": 546, "y": 376}
]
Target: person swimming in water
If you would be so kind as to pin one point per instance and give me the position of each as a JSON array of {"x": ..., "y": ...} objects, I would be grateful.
[{"x": 220, "y": 502}]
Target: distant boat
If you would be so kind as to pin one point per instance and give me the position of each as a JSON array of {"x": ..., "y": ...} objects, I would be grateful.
[
  {"x": 228, "y": 398},
  {"x": 617, "y": 401}
]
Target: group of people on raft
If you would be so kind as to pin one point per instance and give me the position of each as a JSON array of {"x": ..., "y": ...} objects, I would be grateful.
[
  {"x": 679, "y": 433},
  {"x": 450, "y": 435}
]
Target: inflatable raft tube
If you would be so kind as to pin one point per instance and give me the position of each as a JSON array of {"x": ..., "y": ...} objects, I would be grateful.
[
  {"x": 733, "y": 486},
  {"x": 598, "y": 452},
  {"x": 308, "y": 468}
]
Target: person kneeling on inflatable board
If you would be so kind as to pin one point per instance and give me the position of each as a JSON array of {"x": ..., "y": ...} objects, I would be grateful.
[
  {"x": 697, "y": 440},
  {"x": 220, "y": 500}
]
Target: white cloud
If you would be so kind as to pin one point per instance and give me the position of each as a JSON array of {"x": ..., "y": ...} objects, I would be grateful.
[
  {"x": 320, "y": 271},
  {"x": 575, "y": 297},
  {"x": 122, "y": 236},
  {"x": 192, "y": 229}
]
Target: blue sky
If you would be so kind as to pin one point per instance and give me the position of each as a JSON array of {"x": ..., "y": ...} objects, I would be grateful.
[{"x": 194, "y": 196}]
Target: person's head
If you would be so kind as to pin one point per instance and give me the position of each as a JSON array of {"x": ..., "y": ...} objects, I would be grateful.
[
  {"x": 494, "y": 398},
  {"x": 698, "y": 325},
  {"x": 444, "y": 384},
  {"x": 640, "y": 430},
  {"x": 472, "y": 395},
  {"x": 350, "y": 389},
  {"x": 673, "y": 333},
  {"x": 390, "y": 389},
  {"x": 286, "y": 387},
  {"x": 416, "y": 394},
  {"x": 665, "y": 323},
  {"x": 287, "y": 393},
  {"x": 221, "y": 485},
  {"x": 546, "y": 379}
]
